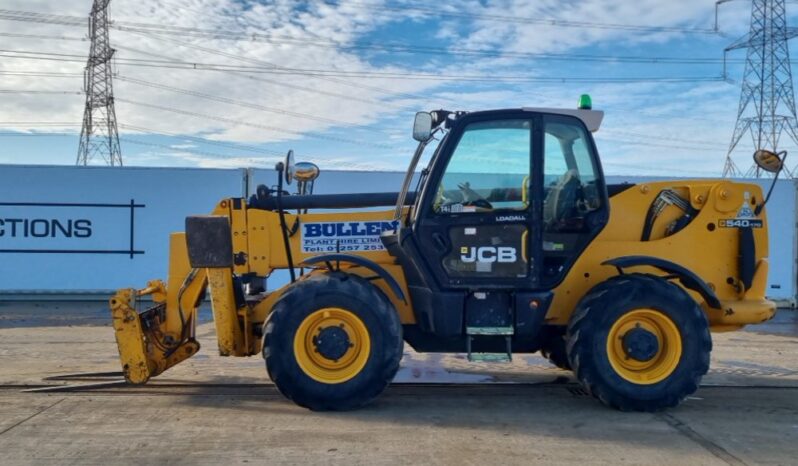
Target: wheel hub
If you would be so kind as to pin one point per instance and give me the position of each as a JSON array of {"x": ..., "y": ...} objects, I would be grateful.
[
  {"x": 644, "y": 346},
  {"x": 332, "y": 342},
  {"x": 332, "y": 345},
  {"x": 640, "y": 344}
]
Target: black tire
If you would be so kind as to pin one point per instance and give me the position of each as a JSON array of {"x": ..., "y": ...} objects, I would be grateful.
[
  {"x": 345, "y": 291},
  {"x": 554, "y": 350},
  {"x": 589, "y": 330}
]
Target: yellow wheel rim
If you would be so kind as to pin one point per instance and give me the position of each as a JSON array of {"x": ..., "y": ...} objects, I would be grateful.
[
  {"x": 663, "y": 362},
  {"x": 347, "y": 359}
]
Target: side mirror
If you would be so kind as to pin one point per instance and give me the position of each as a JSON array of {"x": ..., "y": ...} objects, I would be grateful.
[
  {"x": 422, "y": 126},
  {"x": 769, "y": 161},
  {"x": 305, "y": 172},
  {"x": 290, "y": 167}
]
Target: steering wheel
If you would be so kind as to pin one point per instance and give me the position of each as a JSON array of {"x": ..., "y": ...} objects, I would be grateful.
[{"x": 472, "y": 198}]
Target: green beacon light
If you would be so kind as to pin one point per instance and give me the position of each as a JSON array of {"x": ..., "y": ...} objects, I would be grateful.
[{"x": 585, "y": 102}]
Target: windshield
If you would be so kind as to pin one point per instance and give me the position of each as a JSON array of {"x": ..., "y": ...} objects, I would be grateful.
[{"x": 488, "y": 170}]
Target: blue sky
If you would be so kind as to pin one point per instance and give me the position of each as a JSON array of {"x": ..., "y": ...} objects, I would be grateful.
[{"x": 237, "y": 118}]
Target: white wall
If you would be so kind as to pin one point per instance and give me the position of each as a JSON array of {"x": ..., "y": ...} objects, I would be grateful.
[
  {"x": 54, "y": 261},
  {"x": 165, "y": 196}
]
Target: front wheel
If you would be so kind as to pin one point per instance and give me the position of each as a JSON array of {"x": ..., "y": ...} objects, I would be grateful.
[
  {"x": 553, "y": 349},
  {"x": 333, "y": 342},
  {"x": 639, "y": 343}
]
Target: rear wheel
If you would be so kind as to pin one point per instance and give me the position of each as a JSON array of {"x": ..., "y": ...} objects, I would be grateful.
[
  {"x": 638, "y": 342},
  {"x": 333, "y": 342}
]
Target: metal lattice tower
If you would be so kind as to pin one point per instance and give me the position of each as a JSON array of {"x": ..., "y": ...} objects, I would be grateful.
[
  {"x": 99, "y": 138},
  {"x": 767, "y": 103}
]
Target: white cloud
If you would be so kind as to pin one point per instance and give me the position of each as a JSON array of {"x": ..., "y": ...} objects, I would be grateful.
[{"x": 645, "y": 109}]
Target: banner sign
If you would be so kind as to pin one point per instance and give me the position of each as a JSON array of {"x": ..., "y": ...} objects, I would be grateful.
[
  {"x": 69, "y": 228},
  {"x": 330, "y": 237}
]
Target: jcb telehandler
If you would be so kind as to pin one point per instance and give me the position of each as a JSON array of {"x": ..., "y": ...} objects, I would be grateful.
[{"x": 509, "y": 241}]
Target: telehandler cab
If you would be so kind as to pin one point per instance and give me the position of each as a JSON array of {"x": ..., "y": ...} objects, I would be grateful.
[{"x": 510, "y": 242}]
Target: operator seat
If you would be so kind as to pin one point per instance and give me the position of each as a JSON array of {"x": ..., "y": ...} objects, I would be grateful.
[{"x": 561, "y": 200}]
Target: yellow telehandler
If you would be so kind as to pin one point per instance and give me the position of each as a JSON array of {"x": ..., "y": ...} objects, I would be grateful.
[{"x": 508, "y": 241}]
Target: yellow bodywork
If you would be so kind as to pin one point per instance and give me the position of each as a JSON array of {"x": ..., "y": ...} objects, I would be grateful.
[
  {"x": 710, "y": 252},
  {"x": 155, "y": 340}
]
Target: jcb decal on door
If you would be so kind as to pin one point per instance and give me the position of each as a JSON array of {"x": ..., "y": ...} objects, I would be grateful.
[
  {"x": 488, "y": 254},
  {"x": 486, "y": 250}
]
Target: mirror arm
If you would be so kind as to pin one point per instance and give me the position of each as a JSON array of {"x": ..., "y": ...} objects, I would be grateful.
[
  {"x": 761, "y": 206},
  {"x": 400, "y": 200},
  {"x": 283, "y": 226}
]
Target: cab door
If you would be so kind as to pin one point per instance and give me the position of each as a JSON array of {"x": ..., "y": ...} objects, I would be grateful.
[
  {"x": 575, "y": 204},
  {"x": 476, "y": 223}
]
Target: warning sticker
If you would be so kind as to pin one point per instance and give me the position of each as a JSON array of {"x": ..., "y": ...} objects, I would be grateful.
[{"x": 330, "y": 237}]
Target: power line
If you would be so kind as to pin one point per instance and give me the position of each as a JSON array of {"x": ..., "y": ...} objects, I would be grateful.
[
  {"x": 32, "y": 16},
  {"x": 11, "y": 134},
  {"x": 253, "y": 125},
  {"x": 169, "y": 64},
  {"x": 189, "y": 150},
  {"x": 438, "y": 11},
  {"x": 230, "y": 145},
  {"x": 385, "y": 47},
  {"x": 39, "y": 74},
  {"x": 642, "y": 59},
  {"x": 212, "y": 117},
  {"x": 25, "y": 91},
  {"x": 399, "y": 48},
  {"x": 222, "y": 34},
  {"x": 645, "y": 142},
  {"x": 37, "y": 123},
  {"x": 275, "y": 82},
  {"x": 576, "y": 57},
  {"x": 359, "y": 86},
  {"x": 239, "y": 103},
  {"x": 143, "y": 143},
  {"x": 648, "y": 144},
  {"x": 46, "y": 18},
  {"x": 41, "y": 36},
  {"x": 660, "y": 138}
]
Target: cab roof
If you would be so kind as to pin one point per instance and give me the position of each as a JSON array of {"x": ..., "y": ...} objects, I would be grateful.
[{"x": 591, "y": 118}]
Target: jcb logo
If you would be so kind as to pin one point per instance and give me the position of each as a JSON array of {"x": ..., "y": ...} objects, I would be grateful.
[{"x": 488, "y": 254}]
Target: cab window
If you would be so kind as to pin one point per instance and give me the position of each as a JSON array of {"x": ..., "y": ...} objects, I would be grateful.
[
  {"x": 488, "y": 170},
  {"x": 570, "y": 177}
]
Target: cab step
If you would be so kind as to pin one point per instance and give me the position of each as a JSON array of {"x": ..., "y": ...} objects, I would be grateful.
[
  {"x": 489, "y": 357},
  {"x": 490, "y": 332}
]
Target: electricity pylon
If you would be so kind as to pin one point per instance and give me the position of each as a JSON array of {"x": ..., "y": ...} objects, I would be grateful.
[
  {"x": 99, "y": 137},
  {"x": 767, "y": 103}
]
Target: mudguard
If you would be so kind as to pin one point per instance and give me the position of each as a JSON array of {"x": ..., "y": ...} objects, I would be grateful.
[
  {"x": 329, "y": 259},
  {"x": 687, "y": 278}
]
